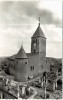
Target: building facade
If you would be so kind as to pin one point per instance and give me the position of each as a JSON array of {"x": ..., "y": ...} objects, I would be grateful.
[{"x": 34, "y": 63}]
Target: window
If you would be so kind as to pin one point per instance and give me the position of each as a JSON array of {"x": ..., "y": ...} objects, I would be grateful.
[
  {"x": 25, "y": 62},
  {"x": 46, "y": 61},
  {"x": 50, "y": 69},
  {"x": 34, "y": 44},
  {"x": 36, "y": 40},
  {"x": 32, "y": 68},
  {"x": 17, "y": 62},
  {"x": 34, "y": 50},
  {"x": 49, "y": 80}
]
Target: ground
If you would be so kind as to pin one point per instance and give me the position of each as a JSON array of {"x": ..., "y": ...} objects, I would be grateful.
[{"x": 57, "y": 94}]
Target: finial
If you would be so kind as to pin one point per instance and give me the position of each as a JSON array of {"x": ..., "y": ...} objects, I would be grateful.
[
  {"x": 39, "y": 21},
  {"x": 22, "y": 44}
]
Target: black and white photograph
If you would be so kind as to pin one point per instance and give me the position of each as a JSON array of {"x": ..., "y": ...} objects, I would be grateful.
[{"x": 30, "y": 49}]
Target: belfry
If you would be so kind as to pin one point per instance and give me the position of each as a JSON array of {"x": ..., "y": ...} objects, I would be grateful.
[{"x": 33, "y": 63}]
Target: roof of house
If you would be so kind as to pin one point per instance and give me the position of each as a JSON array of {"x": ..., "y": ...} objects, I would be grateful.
[
  {"x": 38, "y": 32},
  {"x": 21, "y": 53}
]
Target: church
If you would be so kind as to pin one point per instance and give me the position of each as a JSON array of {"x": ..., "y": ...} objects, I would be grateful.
[{"x": 24, "y": 65}]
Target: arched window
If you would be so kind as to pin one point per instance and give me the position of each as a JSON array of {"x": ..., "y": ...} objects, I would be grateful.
[
  {"x": 36, "y": 40},
  {"x": 25, "y": 62},
  {"x": 32, "y": 68},
  {"x": 34, "y": 50}
]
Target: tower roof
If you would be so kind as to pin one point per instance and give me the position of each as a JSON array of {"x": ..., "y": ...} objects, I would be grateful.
[
  {"x": 21, "y": 54},
  {"x": 38, "y": 32}
]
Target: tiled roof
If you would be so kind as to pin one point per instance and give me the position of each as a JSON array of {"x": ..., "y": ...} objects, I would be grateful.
[
  {"x": 21, "y": 53},
  {"x": 39, "y": 32}
]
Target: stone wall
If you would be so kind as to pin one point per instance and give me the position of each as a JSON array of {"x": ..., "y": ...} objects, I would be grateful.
[{"x": 21, "y": 70}]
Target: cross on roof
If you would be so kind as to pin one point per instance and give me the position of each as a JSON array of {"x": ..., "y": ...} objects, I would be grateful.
[
  {"x": 39, "y": 21},
  {"x": 22, "y": 44}
]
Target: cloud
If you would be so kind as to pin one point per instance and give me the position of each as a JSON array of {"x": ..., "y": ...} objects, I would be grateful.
[
  {"x": 53, "y": 49},
  {"x": 20, "y": 12},
  {"x": 11, "y": 40},
  {"x": 18, "y": 22},
  {"x": 54, "y": 40}
]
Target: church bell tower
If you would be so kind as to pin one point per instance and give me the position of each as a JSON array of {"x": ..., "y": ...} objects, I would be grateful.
[{"x": 38, "y": 41}]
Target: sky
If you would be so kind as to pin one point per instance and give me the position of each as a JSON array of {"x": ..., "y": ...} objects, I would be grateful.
[{"x": 19, "y": 21}]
